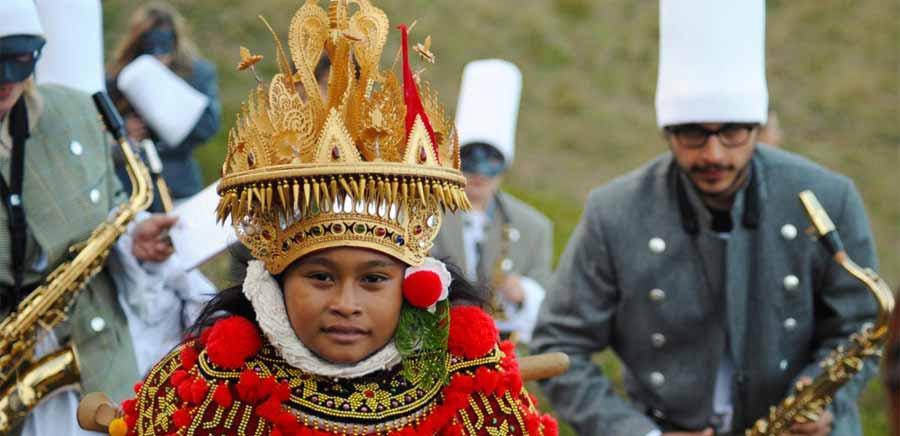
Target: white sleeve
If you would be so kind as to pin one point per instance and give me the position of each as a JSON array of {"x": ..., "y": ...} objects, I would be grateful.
[
  {"x": 522, "y": 318},
  {"x": 141, "y": 285},
  {"x": 654, "y": 433}
]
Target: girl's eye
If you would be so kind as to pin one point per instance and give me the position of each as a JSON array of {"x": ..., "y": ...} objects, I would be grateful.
[
  {"x": 374, "y": 278},
  {"x": 319, "y": 276}
]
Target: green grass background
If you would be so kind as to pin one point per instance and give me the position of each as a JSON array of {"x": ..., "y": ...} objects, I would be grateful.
[{"x": 590, "y": 74}]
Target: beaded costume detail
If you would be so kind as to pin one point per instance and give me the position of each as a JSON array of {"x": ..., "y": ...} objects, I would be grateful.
[{"x": 190, "y": 392}]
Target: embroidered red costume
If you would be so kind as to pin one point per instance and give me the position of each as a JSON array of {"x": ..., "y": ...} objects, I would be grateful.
[{"x": 231, "y": 382}]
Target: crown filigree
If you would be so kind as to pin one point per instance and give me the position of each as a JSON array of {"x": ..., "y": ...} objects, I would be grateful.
[{"x": 374, "y": 164}]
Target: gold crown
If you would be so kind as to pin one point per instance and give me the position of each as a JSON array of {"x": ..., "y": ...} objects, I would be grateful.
[{"x": 374, "y": 165}]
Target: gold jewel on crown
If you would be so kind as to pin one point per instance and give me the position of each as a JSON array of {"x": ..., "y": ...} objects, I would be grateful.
[{"x": 373, "y": 165}]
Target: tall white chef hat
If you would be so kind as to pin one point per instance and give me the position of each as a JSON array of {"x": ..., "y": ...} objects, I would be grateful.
[
  {"x": 20, "y": 17},
  {"x": 488, "y": 105},
  {"x": 73, "y": 55},
  {"x": 711, "y": 62},
  {"x": 169, "y": 105}
]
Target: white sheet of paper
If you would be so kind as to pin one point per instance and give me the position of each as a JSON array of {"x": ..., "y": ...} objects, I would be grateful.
[{"x": 197, "y": 237}]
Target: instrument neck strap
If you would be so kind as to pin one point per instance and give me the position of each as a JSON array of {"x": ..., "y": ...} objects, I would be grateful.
[{"x": 11, "y": 195}]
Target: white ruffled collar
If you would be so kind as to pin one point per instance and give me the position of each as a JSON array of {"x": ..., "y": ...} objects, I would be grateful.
[{"x": 268, "y": 301}]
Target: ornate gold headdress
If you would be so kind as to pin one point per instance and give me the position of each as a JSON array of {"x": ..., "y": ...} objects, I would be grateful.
[{"x": 374, "y": 165}]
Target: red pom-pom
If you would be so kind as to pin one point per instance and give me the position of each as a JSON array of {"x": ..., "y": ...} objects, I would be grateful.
[
  {"x": 422, "y": 288},
  {"x": 248, "y": 386},
  {"x": 131, "y": 421},
  {"x": 198, "y": 390},
  {"x": 285, "y": 419},
  {"x": 231, "y": 341},
  {"x": 269, "y": 409},
  {"x": 128, "y": 406},
  {"x": 533, "y": 423},
  {"x": 455, "y": 430},
  {"x": 222, "y": 396},
  {"x": 551, "y": 427},
  {"x": 275, "y": 432},
  {"x": 204, "y": 336},
  {"x": 188, "y": 357},
  {"x": 181, "y": 418},
  {"x": 178, "y": 376},
  {"x": 267, "y": 386},
  {"x": 137, "y": 387},
  {"x": 282, "y": 392},
  {"x": 473, "y": 333},
  {"x": 184, "y": 390}
]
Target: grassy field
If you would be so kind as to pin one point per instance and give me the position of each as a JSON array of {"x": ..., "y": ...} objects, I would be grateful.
[{"x": 590, "y": 73}]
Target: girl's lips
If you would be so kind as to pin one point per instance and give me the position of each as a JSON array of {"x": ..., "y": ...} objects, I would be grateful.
[{"x": 344, "y": 334}]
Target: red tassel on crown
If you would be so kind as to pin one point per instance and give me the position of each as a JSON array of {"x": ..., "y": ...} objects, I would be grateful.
[{"x": 414, "y": 106}]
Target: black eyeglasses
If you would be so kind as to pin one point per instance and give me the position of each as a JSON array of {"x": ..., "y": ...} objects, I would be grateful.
[{"x": 695, "y": 135}]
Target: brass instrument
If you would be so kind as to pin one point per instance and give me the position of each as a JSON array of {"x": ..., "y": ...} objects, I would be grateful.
[
  {"x": 809, "y": 401},
  {"x": 156, "y": 167},
  {"x": 24, "y": 382},
  {"x": 502, "y": 267}
]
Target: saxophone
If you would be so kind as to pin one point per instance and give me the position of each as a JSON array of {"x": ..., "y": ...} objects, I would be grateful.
[
  {"x": 808, "y": 401},
  {"x": 499, "y": 272},
  {"x": 24, "y": 382}
]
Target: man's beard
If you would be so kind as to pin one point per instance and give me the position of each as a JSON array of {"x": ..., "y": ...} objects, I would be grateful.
[{"x": 739, "y": 178}]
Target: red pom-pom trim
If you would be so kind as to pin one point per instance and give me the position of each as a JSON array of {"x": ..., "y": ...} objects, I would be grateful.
[
  {"x": 188, "y": 357},
  {"x": 473, "y": 333},
  {"x": 137, "y": 387},
  {"x": 178, "y": 377},
  {"x": 282, "y": 392},
  {"x": 198, "y": 390},
  {"x": 181, "y": 418},
  {"x": 248, "y": 386},
  {"x": 267, "y": 386},
  {"x": 184, "y": 390},
  {"x": 204, "y": 336},
  {"x": 269, "y": 409},
  {"x": 422, "y": 288},
  {"x": 551, "y": 427},
  {"x": 131, "y": 421},
  {"x": 231, "y": 341},
  {"x": 222, "y": 396},
  {"x": 128, "y": 406}
]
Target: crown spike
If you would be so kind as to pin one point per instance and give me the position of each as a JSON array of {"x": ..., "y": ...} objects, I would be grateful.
[{"x": 414, "y": 106}]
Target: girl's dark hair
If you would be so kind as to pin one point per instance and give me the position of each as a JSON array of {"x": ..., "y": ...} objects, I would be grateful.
[{"x": 232, "y": 302}]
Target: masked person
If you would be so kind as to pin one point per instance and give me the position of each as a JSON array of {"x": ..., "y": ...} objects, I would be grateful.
[
  {"x": 502, "y": 242},
  {"x": 692, "y": 268},
  {"x": 172, "y": 96},
  {"x": 57, "y": 186},
  {"x": 343, "y": 324}
]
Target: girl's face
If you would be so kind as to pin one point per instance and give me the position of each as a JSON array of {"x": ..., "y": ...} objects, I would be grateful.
[{"x": 344, "y": 303}]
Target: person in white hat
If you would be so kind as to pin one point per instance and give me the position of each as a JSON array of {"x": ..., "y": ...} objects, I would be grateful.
[
  {"x": 167, "y": 92},
  {"x": 503, "y": 242},
  {"x": 57, "y": 185},
  {"x": 694, "y": 270}
]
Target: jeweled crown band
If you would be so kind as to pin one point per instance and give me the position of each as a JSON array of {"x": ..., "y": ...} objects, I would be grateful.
[{"x": 374, "y": 163}]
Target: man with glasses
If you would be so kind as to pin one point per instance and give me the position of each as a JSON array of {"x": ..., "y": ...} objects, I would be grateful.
[
  {"x": 694, "y": 269},
  {"x": 502, "y": 243}
]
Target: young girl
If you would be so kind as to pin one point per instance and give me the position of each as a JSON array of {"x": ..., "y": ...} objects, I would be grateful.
[{"x": 343, "y": 324}]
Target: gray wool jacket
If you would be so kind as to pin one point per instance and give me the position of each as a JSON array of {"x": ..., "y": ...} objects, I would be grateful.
[{"x": 645, "y": 275}]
